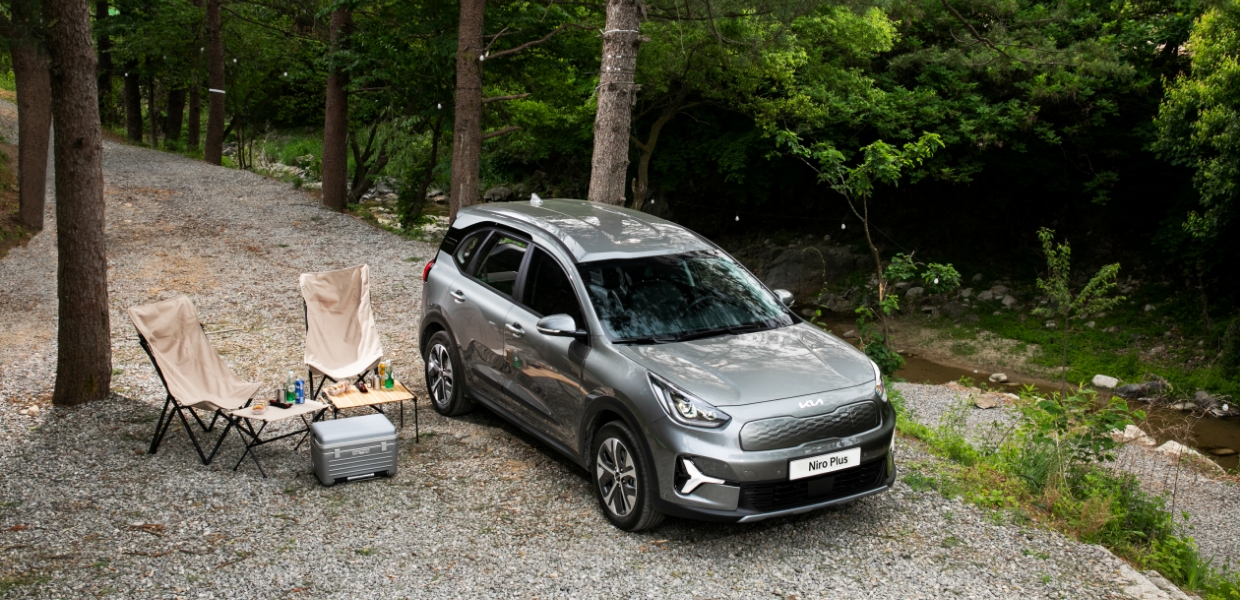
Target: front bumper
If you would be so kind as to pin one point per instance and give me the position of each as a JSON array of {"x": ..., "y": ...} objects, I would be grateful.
[{"x": 755, "y": 483}]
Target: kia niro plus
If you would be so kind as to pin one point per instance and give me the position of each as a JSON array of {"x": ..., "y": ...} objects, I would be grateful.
[{"x": 652, "y": 359}]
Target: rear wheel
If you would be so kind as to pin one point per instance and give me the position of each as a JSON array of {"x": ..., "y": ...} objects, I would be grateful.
[
  {"x": 624, "y": 480},
  {"x": 444, "y": 385}
]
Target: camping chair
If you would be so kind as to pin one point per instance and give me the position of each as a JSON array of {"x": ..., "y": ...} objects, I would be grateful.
[
  {"x": 342, "y": 342},
  {"x": 193, "y": 374}
]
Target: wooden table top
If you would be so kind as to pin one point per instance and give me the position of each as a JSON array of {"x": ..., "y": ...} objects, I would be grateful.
[{"x": 354, "y": 398}]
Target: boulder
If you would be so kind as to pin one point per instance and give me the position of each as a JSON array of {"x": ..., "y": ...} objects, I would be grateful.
[
  {"x": 966, "y": 292},
  {"x": 1149, "y": 308},
  {"x": 986, "y": 401},
  {"x": 902, "y": 285},
  {"x": 1174, "y": 448},
  {"x": 850, "y": 334},
  {"x": 953, "y": 309},
  {"x": 1184, "y": 407},
  {"x": 34, "y": 410},
  {"x": 1222, "y": 451},
  {"x": 1133, "y": 434},
  {"x": 998, "y": 378},
  {"x": 1090, "y": 324},
  {"x": 1009, "y": 302},
  {"x": 1105, "y": 382},
  {"x": 498, "y": 194},
  {"x": 977, "y": 277},
  {"x": 1204, "y": 400},
  {"x": 999, "y": 290},
  {"x": 913, "y": 294}
]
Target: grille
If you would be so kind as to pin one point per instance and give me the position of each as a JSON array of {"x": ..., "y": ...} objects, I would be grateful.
[
  {"x": 790, "y": 494},
  {"x": 789, "y": 432}
]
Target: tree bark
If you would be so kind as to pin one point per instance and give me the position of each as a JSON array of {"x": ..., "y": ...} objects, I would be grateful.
[
  {"x": 152, "y": 111},
  {"x": 194, "y": 124},
  {"x": 214, "y": 150},
  {"x": 616, "y": 94},
  {"x": 133, "y": 102},
  {"x": 336, "y": 124},
  {"x": 467, "y": 129},
  {"x": 34, "y": 112},
  {"x": 107, "y": 102},
  {"x": 84, "y": 339},
  {"x": 176, "y": 114}
]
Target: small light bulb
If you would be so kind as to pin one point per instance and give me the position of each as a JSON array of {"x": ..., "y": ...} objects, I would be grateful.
[
  {"x": 286, "y": 73},
  {"x": 234, "y": 61},
  {"x": 738, "y": 218},
  {"x": 936, "y": 280},
  {"x": 843, "y": 226},
  {"x": 439, "y": 106}
]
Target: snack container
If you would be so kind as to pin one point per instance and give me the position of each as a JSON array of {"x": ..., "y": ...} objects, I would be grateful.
[{"x": 353, "y": 448}]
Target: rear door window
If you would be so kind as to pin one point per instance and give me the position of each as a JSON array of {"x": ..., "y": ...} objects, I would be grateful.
[
  {"x": 468, "y": 247},
  {"x": 500, "y": 262}
]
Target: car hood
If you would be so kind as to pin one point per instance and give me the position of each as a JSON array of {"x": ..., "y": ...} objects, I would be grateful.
[{"x": 731, "y": 370}]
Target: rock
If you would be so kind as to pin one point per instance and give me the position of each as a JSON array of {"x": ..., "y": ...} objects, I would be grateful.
[
  {"x": 1051, "y": 324},
  {"x": 1112, "y": 329},
  {"x": 997, "y": 313},
  {"x": 1226, "y": 411},
  {"x": 809, "y": 312},
  {"x": 998, "y": 378},
  {"x": 1222, "y": 451},
  {"x": 914, "y": 293},
  {"x": 1184, "y": 406},
  {"x": 1149, "y": 308},
  {"x": 1174, "y": 448},
  {"x": 966, "y": 292},
  {"x": 985, "y": 401},
  {"x": 1133, "y": 434},
  {"x": 999, "y": 290},
  {"x": 1105, "y": 382},
  {"x": 498, "y": 194},
  {"x": 953, "y": 309},
  {"x": 986, "y": 296},
  {"x": 1204, "y": 400},
  {"x": 1130, "y": 390},
  {"x": 23, "y": 412},
  {"x": 850, "y": 334},
  {"x": 1009, "y": 302},
  {"x": 33, "y": 410},
  {"x": 902, "y": 285},
  {"x": 1090, "y": 324},
  {"x": 977, "y": 277}
]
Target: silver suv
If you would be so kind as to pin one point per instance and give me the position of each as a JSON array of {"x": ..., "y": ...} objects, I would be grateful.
[{"x": 654, "y": 360}]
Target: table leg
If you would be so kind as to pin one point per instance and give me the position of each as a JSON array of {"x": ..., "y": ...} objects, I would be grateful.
[
  {"x": 256, "y": 440},
  {"x": 416, "y": 434}
]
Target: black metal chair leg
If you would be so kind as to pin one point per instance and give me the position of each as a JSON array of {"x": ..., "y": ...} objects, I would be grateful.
[
  {"x": 161, "y": 427},
  {"x": 220, "y": 441},
  {"x": 190, "y": 432}
]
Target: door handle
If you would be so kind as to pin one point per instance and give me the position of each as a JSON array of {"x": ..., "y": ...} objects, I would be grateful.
[
  {"x": 458, "y": 295},
  {"x": 515, "y": 330}
]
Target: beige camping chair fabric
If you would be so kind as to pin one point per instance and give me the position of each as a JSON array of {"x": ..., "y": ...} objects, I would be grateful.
[
  {"x": 193, "y": 373},
  {"x": 341, "y": 338}
]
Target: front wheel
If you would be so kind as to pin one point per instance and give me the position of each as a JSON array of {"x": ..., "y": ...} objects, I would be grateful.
[
  {"x": 443, "y": 376},
  {"x": 624, "y": 479}
]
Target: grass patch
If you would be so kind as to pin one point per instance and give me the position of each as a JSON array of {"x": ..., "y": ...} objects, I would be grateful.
[{"x": 1049, "y": 468}]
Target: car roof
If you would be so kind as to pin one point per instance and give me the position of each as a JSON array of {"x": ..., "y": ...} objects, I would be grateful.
[{"x": 591, "y": 231}]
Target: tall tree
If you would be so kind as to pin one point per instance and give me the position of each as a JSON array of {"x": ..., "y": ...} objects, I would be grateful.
[
  {"x": 34, "y": 110},
  {"x": 107, "y": 103},
  {"x": 621, "y": 40},
  {"x": 84, "y": 339},
  {"x": 176, "y": 114},
  {"x": 467, "y": 130},
  {"x": 336, "y": 123},
  {"x": 133, "y": 102},
  {"x": 214, "y": 150}
]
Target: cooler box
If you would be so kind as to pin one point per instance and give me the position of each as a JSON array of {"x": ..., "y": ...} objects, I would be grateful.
[{"x": 353, "y": 448}]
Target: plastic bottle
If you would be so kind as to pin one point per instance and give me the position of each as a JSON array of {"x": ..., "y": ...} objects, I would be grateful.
[
  {"x": 390, "y": 382},
  {"x": 290, "y": 390}
]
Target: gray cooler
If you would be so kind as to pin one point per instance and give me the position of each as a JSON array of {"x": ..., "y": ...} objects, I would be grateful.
[{"x": 353, "y": 448}]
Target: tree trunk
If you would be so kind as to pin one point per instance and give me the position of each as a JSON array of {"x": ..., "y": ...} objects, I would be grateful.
[
  {"x": 84, "y": 339},
  {"x": 214, "y": 150},
  {"x": 616, "y": 95},
  {"x": 34, "y": 114},
  {"x": 107, "y": 103},
  {"x": 176, "y": 114},
  {"x": 467, "y": 130},
  {"x": 641, "y": 188},
  {"x": 152, "y": 112},
  {"x": 194, "y": 124},
  {"x": 336, "y": 124},
  {"x": 133, "y": 102}
]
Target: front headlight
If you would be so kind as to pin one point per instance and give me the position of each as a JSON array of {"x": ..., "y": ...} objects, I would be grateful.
[
  {"x": 880, "y": 389},
  {"x": 685, "y": 408}
]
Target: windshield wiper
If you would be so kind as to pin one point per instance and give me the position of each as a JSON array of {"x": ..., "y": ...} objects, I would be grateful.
[{"x": 653, "y": 339}]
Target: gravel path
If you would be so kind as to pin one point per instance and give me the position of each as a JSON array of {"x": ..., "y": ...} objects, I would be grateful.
[
  {"x": 476, "y": 510},
  {"x": 1212, "y": 504}
]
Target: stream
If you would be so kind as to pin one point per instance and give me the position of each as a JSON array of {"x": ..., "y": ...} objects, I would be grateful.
[{"x": 1162, "y": 423}]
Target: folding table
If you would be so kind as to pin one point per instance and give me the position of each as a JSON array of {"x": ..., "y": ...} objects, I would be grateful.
[
  {"x": 245, "y": 418},
  {"x": 375, "y": 399}
]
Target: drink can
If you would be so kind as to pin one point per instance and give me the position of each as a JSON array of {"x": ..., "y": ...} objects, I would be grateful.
[{"x": 301, "y": 391}]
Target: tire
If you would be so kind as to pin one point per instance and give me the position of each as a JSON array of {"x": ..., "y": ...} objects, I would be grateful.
[
  {"x": 630, "y": 505},
  {"x": 444, "y": 384}
]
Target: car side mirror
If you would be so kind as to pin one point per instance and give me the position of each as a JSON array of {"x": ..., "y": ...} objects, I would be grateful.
[
  {"x": 560, "y": 325},
  {"x": 785, "y": 297}
]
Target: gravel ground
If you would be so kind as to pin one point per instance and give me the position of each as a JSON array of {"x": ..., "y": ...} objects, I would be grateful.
[
  {"x": 477, "y": 508},
  {"x": 1212, "y": 504}
]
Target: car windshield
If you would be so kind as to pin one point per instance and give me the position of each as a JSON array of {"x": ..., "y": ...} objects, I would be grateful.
[{"x": 679, "y": 297}]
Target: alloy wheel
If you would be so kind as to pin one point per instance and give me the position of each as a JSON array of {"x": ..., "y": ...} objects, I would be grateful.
[
  {"x": 439, "y": 375},
  {"x": 616, "y": 473}
]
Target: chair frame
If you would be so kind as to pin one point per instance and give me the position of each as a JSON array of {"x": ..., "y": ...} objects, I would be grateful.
[{"x": 179, "y": 409}]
